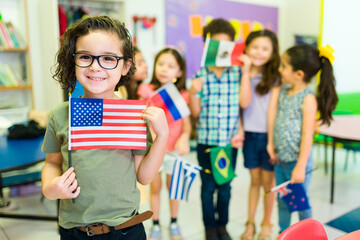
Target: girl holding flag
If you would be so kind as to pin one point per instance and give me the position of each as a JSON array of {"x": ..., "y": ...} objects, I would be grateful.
[
  {"x": 169, "y": 70},
  {"x": 292, "y": 118}
]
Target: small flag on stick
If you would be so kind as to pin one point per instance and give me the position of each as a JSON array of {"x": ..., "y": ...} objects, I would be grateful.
[
  {"x": 221, "y": 165},
  {"x": 221, "y": 53},
  {"x": 294, "y": 196},
  {"x": 106, "y": 123},
  {"x": 183, "y": 176},
  {"x": 170, "y": 100}
]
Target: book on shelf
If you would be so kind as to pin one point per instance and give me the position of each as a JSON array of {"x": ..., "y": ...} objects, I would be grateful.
[
  {"x": 15, "y": 35},
  {"x": 8, "y": 77},
  {"x": 9, "y": 36}
]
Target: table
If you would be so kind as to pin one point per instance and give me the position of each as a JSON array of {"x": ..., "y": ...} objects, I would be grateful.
[
  {"x": 18, "y": 154},
  {"x": 343, "y": 128}
]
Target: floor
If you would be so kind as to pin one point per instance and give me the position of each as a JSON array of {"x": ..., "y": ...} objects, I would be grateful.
[{"x": 347, "y": 196}]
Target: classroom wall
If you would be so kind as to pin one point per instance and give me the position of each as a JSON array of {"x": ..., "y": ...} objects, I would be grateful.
[
  {"x": 43, "y": 15},
  {"x": 291, "y": 22},
  {"x": 44, "y": 45},
  {"x": 341, "y": 32}
]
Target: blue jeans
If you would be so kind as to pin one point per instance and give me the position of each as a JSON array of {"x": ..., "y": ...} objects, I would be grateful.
[
  {"x": 283, "y": 174},
  {"x": 208, "y": 188},
  {"x": 136, "y": 232}
]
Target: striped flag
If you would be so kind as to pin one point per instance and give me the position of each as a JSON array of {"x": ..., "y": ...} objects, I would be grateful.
[
  {"x": 106, "y": 123},
  {"x": 221, "y": 53},
  {"x": 183, "y": 176},
  {"x": 170, "y": 100}
]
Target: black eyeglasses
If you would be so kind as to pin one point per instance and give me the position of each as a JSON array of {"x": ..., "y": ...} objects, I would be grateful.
[{"x": 84, "y": 60}]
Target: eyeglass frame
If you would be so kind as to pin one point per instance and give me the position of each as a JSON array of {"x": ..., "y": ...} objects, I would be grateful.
[{"x": 97, "y": 58}]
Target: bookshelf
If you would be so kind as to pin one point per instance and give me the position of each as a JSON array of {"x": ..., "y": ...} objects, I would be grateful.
[{"x": 16, "y": 90}]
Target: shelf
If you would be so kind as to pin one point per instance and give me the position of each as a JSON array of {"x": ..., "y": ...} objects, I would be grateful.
[
  {"x": 20, "y": 49},
  {"x": 22, "y": 87}
]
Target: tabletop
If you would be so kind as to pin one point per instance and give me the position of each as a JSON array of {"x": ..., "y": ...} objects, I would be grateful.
[
  {"x": 22, "y": 152},
  {"x": 344, "y": 127}
]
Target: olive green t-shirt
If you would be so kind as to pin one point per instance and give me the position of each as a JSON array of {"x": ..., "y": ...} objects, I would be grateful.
[{"x": 107, "y": 177}]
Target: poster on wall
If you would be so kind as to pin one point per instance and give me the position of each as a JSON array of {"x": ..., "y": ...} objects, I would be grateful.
[{"x": 185, "y": 21}]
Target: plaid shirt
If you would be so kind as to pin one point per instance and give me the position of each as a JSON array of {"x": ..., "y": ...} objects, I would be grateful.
[{"x": 220, "y": 111}]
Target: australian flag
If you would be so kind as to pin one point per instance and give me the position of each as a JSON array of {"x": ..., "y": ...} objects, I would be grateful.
[{"x": 294, "y": 196}]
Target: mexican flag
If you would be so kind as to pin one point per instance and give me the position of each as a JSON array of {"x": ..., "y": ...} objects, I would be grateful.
[
  {"x": 222, "y": 169},
  {"x": 221, "y": 53}
]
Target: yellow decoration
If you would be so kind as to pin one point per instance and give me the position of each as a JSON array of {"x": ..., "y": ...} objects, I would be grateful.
[{"x": 327, "y": 52}]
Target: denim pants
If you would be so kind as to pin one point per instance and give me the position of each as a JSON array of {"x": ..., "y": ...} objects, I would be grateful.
[
  {"x": 213, "y": 216},
  {"x": 283, "y": 174},
  {"x": 136, "y": 232}
]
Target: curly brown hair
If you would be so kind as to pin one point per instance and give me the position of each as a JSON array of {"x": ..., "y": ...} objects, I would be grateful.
[
  {"x": 65, "y": 63},
  {"x": 270, "y": 74}
]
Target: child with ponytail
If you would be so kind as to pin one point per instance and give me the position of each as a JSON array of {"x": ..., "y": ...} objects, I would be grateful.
[{"x": 292, "y": 118}]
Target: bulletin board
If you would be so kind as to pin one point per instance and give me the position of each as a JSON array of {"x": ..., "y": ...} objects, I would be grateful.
[{"x": 185, "y": 21}]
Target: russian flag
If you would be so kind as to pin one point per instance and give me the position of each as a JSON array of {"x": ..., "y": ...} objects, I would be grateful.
[{"x": 170, "y": 100}]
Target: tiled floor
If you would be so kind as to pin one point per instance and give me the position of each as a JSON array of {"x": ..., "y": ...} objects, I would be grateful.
[{"x": 347, "y": 195}]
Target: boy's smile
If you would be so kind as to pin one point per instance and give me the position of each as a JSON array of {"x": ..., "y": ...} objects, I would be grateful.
[{"x": 97, "y": 81}]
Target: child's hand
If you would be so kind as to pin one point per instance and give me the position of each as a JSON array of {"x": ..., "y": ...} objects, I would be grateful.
[
  {"x": 298, "y": 174},
  {"x": 196, "y": 86},
  {"x": 245, "y": 59},
  {"x": 157, "y": 118},
  {"x": 63, "y": 187},
  {"x": 237, "y": 141},
  {"x": 182, "y": 145},
  {"x": 271, "y": 151}
]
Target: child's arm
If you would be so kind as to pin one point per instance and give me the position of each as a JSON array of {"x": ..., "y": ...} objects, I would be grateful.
[
  {"x": 237, "y": 140},
  {"x": 307, "y": 133},
  {"x": 148, "y": 166},
  {"x": 271, "y": 114},
  {"x": 56, "y": 184},
  {"x": 245, "y": 89},
  {"x": 182, "y": 144},
  {"x": 194, "y": 102}
]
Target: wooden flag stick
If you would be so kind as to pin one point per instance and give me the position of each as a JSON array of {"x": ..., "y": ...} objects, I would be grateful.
[{"x": 284, "y": 184}]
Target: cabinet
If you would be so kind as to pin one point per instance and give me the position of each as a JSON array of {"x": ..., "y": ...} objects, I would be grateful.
[{"x": 16, "y": 99}]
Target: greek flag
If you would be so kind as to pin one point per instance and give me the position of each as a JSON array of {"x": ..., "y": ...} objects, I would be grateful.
[{"x": 183, "y": 176}]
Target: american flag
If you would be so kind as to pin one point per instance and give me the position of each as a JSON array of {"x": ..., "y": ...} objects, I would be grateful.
[{"x": 106, "y": 123}]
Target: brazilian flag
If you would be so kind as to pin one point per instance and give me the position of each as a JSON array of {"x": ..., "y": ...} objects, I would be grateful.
[{"x": 222, "y": 168}]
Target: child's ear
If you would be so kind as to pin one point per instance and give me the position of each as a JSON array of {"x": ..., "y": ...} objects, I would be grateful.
[
  {"x": 300, "y": 74},
  {"x": 180, "y": 73},
  {"x": 126, "y": 68}
]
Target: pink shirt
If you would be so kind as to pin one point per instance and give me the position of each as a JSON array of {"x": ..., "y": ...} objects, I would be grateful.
[{"x": 175, "y": 128}]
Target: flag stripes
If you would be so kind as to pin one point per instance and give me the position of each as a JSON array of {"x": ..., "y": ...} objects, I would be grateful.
[
  {"x": 170, "y": 100},
  {"x": 182, "y": 178},
  {"x": 107, "y": 123},
  {"x": 222, "y": 53}
]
